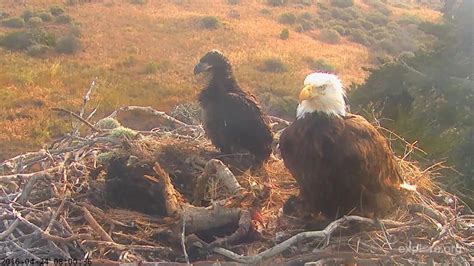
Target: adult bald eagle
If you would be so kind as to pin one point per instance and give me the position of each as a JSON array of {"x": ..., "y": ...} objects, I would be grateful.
[
  {"x": 232, "y": 117},
  {"x": 339, "y": 160}
]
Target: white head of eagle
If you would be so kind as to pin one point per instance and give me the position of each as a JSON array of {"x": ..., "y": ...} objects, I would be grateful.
[{"x": 322, "y": 92}]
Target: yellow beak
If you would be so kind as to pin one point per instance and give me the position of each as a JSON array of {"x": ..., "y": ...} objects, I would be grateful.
[{"x": 306, "y": 93}]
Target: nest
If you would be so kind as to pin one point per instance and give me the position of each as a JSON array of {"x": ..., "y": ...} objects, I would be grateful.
[{"x": 76, "y": 200}]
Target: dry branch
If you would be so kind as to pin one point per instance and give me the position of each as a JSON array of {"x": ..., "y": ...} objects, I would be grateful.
[
  {"x": 149, "y": 110},
  {"x": 218, "y": 168},
  {"x": 96, "y": 226}
]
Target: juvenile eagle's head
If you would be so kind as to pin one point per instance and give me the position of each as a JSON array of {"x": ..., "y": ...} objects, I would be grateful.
[
  {"x": 213, "y": 61},
  {"x": 322, "y": 92}
]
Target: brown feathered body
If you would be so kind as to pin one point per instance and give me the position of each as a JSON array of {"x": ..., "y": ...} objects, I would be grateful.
[
  {"x": 341, "y": 164},
  {"x": 232, "y": 118}
]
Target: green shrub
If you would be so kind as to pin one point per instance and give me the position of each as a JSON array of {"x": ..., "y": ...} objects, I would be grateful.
[
  {"x": 138, "y": 2},
  {"x": 14, "y": 22},
  {"x": 46, "y": 16},
  {"x": 285, "y": 34},
  {"x": 275, "y": 65},
  {"x": 151, "y": 68},
  {"x": 22, "y": 40},
  {"x": 381, "y": 35},
  {"x": 378, "y": 18},
  {"x": 34, "y": 22},
  {"x": 75, "y": 30},
  {"x": 279, "y": 105},
  {"x": 68, "y": 45},
  {"x": 355, "y": 24},
  {"x": 388, "y": 46},
  {"x": 359, "y": 36},
  {"x": 341, "y": 30},
  {"x": 342, "y": 3},
  {"x": 287, "y": 18},
  {"x": 27, "y": 14},
  {"x": 319, "y": 64},
  {"x": 277, "y": 2},
  {"x": 305, "y": 25},
  {"x": 63, "y": 19},
  {"x": 37, "y": 50},
  {"x": 305, "y": 15},
  {"x": 265, "y": 11},
  {"x": 341, "y": 14},
  {"x": 233, "y": 2},
  {"x": 56, "y": 10},
  {"x": 210, "y": 22},
  {"x": 366, "y": 24},
  {"x": 409, "y": 19},
  {"x": 330, "y": 36},
  {"x": 4, "y": 14}
]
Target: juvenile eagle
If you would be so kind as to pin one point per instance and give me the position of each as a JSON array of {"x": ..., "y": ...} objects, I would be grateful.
[
  {"x": 232, "y": 117},
  {"x": 339, "y": 160}
]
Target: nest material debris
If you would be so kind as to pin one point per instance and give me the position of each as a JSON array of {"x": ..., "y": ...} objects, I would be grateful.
[{"x": 54, "y": 204}]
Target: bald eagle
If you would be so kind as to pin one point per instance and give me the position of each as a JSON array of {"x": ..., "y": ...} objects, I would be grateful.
[
  {"x": 339, "y": 160},
  {"x": 233, "y": 119}
]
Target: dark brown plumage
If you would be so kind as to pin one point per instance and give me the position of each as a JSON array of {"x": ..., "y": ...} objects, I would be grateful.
[
  {"x": 233, "y": 120},
  {"x": 340, "y": 164}
]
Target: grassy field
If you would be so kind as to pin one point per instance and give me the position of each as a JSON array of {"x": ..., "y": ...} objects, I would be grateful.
[{"x": 145, "y": 54}]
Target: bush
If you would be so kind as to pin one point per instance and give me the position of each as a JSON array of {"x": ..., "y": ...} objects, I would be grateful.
[
  {"x": 366, "y": 24},
  {"x": 151, "y": 68},
  {"x": 330, "y": 36},
  {"x": 22, "y": 40},
  {"x": 277, "y": 2},
  {"x": 340, "y": 29},
  {"x": 285, "y": 34},
  {"x": 13, "y": 22},
  {"x": 233, "y": 2},
  {"x": 34, "y": 22},
  {"x": 355, "y": 24},
  {"x": 319, "y": 64},
  {"x": 381, "y": 35},
  {"x": 305, "y": 25},
  {"x": 4, "y": 14},
  {"x": 265, "y": 11},
  {"x": 342, "y": 3},
  {"x": 341, "y": 14},
  {"x": 37, "y": 50},
  {"x": 27, "y": 14},
  {"x": 378, "y": 18},
  {"x": 68, "y": 45},
  {"x": 287, "y": 18},
  {"x": 359, "y": 36},
  {"x": 46, "y": 16},
  {"x": 56, "y": 10},
  {"x": 210, "y": 22},
  {"x": 275, "y": 65},
  {"x": 138, "y": 2},
  {"x": 75, "y": 30},
  {"x": 63, "y": 19}
]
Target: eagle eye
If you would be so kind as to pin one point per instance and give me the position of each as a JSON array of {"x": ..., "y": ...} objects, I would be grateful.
[{"x": 323, "y": 87}]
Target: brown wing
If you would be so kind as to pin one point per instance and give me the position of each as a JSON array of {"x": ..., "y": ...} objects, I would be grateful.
[{"x": 339, "y": 163}]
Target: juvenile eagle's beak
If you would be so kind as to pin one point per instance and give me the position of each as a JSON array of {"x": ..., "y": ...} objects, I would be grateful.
[
  {"x": 201, "y": 67},
  {"x": 306, "y": 93}
]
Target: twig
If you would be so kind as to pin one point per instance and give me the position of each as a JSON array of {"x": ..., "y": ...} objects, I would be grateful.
[
  {"x": 121, "y": 247},
  {"x": 149, "y": 110},
  {"x": 183, "y": 236},
  {"x": 57, "y": 109},
  {"x": 96, "y": 226}
]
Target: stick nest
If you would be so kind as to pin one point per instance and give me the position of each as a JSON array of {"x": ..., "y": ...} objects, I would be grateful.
[{"x": 58, "y": 203}]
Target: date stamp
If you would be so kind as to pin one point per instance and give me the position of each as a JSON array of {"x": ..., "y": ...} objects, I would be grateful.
[{"x": 21, "y": 261}]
